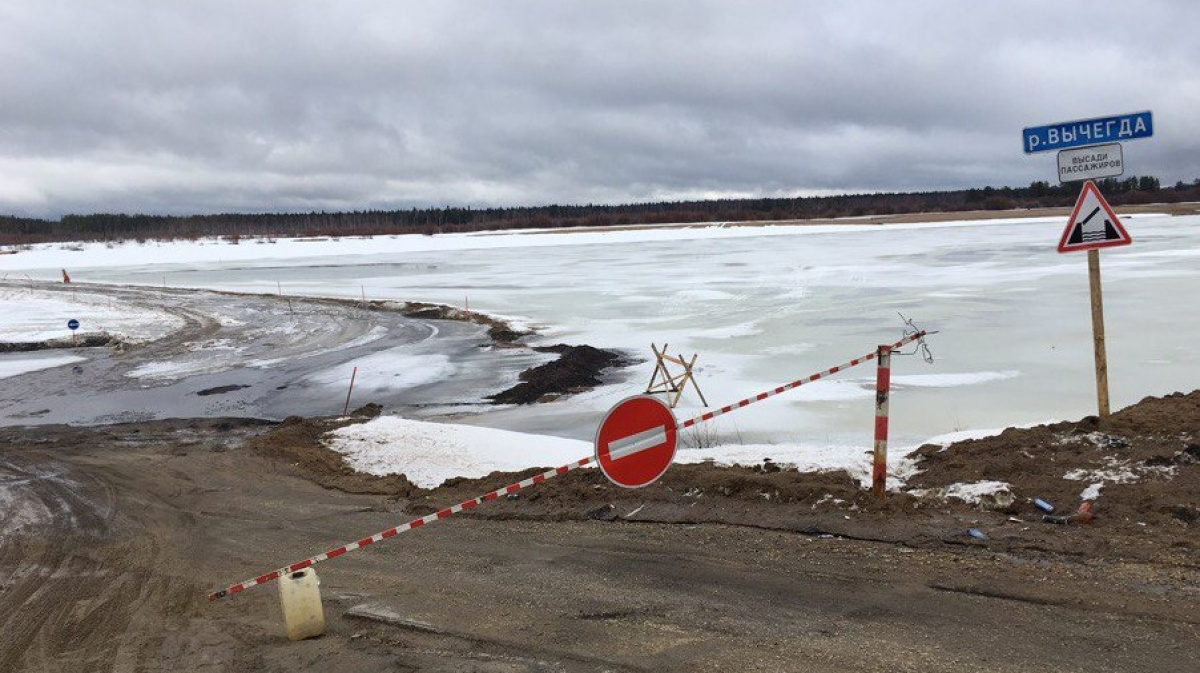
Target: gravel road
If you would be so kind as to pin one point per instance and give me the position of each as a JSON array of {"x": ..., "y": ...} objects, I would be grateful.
[{"x": 112, "y": 536}]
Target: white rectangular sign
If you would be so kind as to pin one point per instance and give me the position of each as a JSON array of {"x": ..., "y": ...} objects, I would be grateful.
[{"x": 1090, "y": 163}]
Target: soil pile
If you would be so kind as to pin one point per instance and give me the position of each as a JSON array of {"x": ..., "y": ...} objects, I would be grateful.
[
  {"x": 298, "y": 441},
  {"x": 91, "y": 340},
  {"x": 1146, "y": 459},
  {"x": 577, "y": 369},
  {"x": 499, "y": 331}
]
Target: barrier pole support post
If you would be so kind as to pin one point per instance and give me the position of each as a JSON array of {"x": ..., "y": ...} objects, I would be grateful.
[
  {"x": 883, "y": 381},
  {"x": 350, "y": 392}
]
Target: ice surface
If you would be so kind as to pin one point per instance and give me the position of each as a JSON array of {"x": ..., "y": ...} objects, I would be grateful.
[
  {"x": 763, "y": 306},
  {"x": 15, "y": 365},
  {"x": 393, "y": 369}
]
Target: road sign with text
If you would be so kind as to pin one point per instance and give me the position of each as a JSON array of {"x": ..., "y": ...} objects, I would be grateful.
[
  {"x": 1083, "y": 132},
  {"x": 1090, "y": 163}
]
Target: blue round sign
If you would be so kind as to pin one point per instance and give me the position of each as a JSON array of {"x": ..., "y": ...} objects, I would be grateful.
[{"x": 72, "y": 324}]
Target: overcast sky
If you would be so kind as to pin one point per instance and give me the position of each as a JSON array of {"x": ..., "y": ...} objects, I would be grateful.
[{"x": 200, "y": 107}]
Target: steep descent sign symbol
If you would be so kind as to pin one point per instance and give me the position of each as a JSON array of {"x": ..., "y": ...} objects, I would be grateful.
[
  {"x": 1093, "y": 223},
  {"x": 1092, "y": 232}
]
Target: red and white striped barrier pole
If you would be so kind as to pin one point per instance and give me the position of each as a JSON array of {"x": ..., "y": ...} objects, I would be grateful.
[
  {"x": 536, "y": 479},
  {"x": 883, "y": 382},
  {"x": 392, "y": 532},
  {"x": 799, "y": 382}
]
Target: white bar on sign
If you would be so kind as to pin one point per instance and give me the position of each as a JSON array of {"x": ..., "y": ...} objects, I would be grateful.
[{"x": 646, "y": 439}]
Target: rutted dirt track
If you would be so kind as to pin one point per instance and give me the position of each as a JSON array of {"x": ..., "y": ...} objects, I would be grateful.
[{"x": 113, "y": 535}]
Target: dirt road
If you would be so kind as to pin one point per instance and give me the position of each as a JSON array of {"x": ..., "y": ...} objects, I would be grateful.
[{"x": 110, "y": 538}]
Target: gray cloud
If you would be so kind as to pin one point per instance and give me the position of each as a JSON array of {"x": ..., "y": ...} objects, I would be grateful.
[{"x": 145, "y": 106}]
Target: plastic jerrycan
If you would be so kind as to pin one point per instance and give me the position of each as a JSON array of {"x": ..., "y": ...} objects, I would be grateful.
[{"x": 300, "y": 598}]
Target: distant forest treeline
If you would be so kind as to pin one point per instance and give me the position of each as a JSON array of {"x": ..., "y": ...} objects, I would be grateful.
[{"x": 112, "y": 227}]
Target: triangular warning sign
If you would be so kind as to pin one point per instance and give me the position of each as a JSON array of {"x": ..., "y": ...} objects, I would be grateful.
[{"x": 1093, "y": 224}]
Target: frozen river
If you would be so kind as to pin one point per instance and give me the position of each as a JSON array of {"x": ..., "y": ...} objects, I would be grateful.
[{"x": 763, "y": 306}]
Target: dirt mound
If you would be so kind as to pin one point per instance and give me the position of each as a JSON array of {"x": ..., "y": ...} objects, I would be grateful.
[
  {"x": 576, "y": 369},
  {"x": 298, "y": 441},
  {"x": 688, "y": 493},
  {"x": 368, "y": 410},
  {"x": 764, "y": 496},
  {"x": 499, "y": 331},
  {"x": 1147, "y": 458},
  {"x": 93, "y": 340}
]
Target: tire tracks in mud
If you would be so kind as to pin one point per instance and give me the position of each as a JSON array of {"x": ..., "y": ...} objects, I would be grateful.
[{"x": 82, "y": 583}]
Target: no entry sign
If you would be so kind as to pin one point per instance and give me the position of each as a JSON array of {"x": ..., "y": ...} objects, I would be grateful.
[{"x": 636, "y": 441}]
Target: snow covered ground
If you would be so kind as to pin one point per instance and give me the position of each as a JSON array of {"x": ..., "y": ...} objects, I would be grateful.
[
  {"x": 33, "y": 315},
  {"x": 430, "y": 453},
  {"x": 762, "y": 306},
  {"x": 14, "y": 364}
]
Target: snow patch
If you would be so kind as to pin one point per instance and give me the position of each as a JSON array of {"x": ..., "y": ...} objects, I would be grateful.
[
  {"x": 1117, "y": 471},
  {"x": 10, "y": 367},
  {"x": 975, "y": 491},
  {"x": 430, "y": 453},
  {"x": 33, "y": 315},
  {"x": 804, "y": 458}
]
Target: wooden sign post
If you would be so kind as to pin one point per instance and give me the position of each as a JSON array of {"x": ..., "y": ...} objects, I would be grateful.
[
  {"x": 1098, "y": 332},
  {"x": 1094, "y": 225}
]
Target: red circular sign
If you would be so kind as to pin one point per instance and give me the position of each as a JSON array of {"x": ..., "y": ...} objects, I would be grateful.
[{"x": 636, "y": 441}]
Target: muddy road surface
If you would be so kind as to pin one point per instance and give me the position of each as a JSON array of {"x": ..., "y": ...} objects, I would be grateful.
[{"x": 111, "y": 537}]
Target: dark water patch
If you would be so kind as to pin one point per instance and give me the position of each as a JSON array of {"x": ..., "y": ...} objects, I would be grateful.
[{"x": 220, "y": 390}]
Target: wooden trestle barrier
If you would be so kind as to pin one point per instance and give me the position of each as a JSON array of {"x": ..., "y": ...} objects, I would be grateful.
[{"x": 672, "y": 385}]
